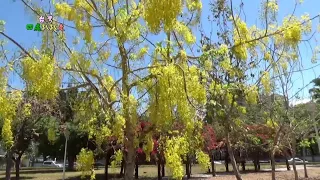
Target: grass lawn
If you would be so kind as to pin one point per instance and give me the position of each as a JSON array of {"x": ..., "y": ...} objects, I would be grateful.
[{"x": 145, "y": 172}]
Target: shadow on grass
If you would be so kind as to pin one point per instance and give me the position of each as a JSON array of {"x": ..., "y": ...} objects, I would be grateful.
[
  {"x": 207, "y": 176},
  {"x": 42, "y": 171},
  {"x": 14, "y": 178},
  {"x": 38, "y": 171},
  {"x": 102, "y": 177}
]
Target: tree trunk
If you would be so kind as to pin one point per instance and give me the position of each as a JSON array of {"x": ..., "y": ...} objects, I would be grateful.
[
  {"x": 106, "y": 167},
  {"x": 163, "y": 170},
  {"x": 227, "y": 166},
  {"x": 256, "y": 160},
  {"x": 287, "y": 162},
  {"x": 312, "y": 154},
  {"x": 8, "y": 165},
  {"x": 159, "y": 169},
  {"x": 243, "y": 164},
  {"x": 226, "y": 160},
  {"x": 233, "y": 161},
  {"x": 128, "y": 114},
  {"x": 304, "y": 162},
  {"x": 33, "y": 161},
  {"x": 130, "y": 160},
  {"x": 71, "y": 160},
  {"x": 273, "y": 165},
  {"x": 258, "y": 164},
  {"x": 136, "y": 174},
  {"x": 288, "y": 165},
  {"x": 212, "y": 165},
  {"x": 188, "y": 167},
  {"x": 122, "y": 168},
  {"x": 17, "y": 165},
  {"x": 255, "y": 164},
  {"x": 296, "y": 177}
]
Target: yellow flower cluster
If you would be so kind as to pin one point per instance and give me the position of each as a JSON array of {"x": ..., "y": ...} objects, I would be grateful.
[
  {"x": 79, "y": 14},
  {"x": 26, "y": 109},
  {"x": 85, "y": 161},
  {"x": 158, "y": 12},
  {"x": 149, "y": 146},
  {"x": 8, "y": 104},
  {"x": 272, "y": 5},
  {"x": 251, "y": 94},
  {"x": 176, "y": 86},
  {"x": 6, "y": 134},
  {"x": 185, "y": 32},
  {"x": 293, "y": 31},
  {"x": 108, "y": 82},
  {"x": 203, "y": 159},
  {"x": 117, "y": 158},
  {"x": 8, "y": 101},
  {"x": 265, "y": 80},
  {"x": 124, "y": 26},
  {"x": 41, "y": 76},
  {"x": 119, "y": 125},
  {"x": 240, "y": 36},
  {"x": 142, "y": 52},
  {"x": 175, "y": 149},
  {"x": 65, "y": 11},
  {"x": 101, "y": 134},
  {"x": 267, "y": 56},
  {"x": 194, "y": 5}
]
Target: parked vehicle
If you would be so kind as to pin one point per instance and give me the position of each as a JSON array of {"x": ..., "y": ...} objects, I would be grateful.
[
  {"x": 52, "y": 164},
  {"x": 74, "y": 164},
  {"x": 297, "y": 160},
  {"x": 98, "y": 164},
  {"x": 218, "y": 162}
]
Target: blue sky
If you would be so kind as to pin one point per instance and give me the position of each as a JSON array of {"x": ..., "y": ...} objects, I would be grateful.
[{"x": 16, "y": 17}]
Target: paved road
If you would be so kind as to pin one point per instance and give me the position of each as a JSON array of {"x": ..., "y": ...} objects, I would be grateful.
[
  {"x": 205, "y": 176},
  {"x": 299, "y": 167}
]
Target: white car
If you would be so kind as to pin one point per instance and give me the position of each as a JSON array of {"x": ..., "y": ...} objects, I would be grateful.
[
  {"x": 52, "y": 164},
  {"x": 218, "y": 162},
  {"x": 297, "y": 160}
]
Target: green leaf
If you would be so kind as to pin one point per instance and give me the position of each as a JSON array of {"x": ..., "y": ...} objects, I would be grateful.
[{"x": 305, "y": 143}]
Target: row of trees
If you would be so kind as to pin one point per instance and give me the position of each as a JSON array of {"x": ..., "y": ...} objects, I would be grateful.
[{"x": 237, "y": 82}]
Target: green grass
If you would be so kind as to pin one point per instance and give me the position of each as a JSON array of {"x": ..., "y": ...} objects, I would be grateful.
[{"x": 145, "y": 172}]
